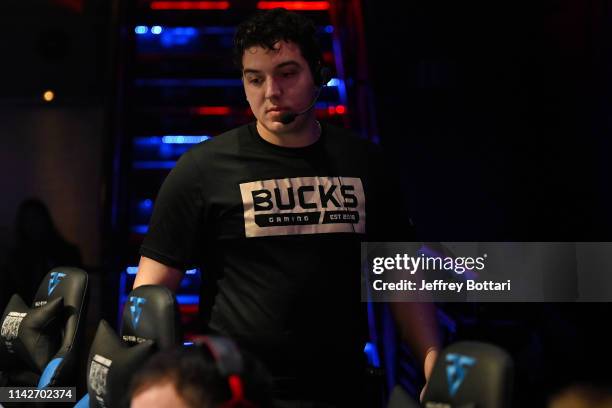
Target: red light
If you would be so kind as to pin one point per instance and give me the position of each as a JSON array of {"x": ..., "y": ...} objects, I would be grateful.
[
  {"x": 235, "y": 384},
  {"x": 212, "y": 110},
  {"x": 331, "y": 110},
  {"x": 190, "y": 5},
  {"x": 188, "y": 309},
  {"x": 294, "y": 5},
  {"x": 328, "y": 57},
  {"x": 72, "y": 5},
  {"x": 340, "y": 109}
]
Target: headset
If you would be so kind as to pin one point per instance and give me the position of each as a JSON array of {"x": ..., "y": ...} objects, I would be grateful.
[{"x": 229, "y": 363}]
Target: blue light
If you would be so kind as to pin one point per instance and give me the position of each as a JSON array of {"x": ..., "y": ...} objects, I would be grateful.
[
  {"x": 340, "y": 69},
  {"x": 219, "y": 30},
  {"x": 151, "y": 140},
  {"x": 170, "y": 139},
  {"x": 180, "y": 139},
  {"x": 178, "y": 36},
  {"x": 156, "y": 30},
  {"x": 329, "y": 29},
  {"x": 141, "y": 29},
  {"x": 188, "y": 343},
  {"x": 182, "y": 31},
  {"x": 188, "y": 299},
  {"x": 146, "y": 204},
  {"x": 191, "y": 272},
  {"x": 154, "y": 165},
  {"x": 334, "y": 82},
  {"x": 173, "y": 139},
  {"x": 372, "y": 354},
  {"x": 140, "y": 229},
  {"x": 165, "y": 151}
]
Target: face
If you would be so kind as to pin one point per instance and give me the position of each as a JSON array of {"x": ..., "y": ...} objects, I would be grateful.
[
  {"x": 161, "y": 395},
  {"x": 277, "y": 81}
]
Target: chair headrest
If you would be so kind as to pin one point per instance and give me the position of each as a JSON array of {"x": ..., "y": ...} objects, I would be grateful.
[
  {"x": 110, "y": 366},
  {"x": 65, "y": 282},
  {"x": 31, "y": 336},
  {"x": 471, "y": 374},
  {"x": 71, "y": 285},
  {"x": 151, "y": 313}
]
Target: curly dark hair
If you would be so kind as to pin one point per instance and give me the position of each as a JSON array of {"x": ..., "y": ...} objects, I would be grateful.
[
  {"x": 197, "y": 380},
  {"x": 266, "y": 28}
]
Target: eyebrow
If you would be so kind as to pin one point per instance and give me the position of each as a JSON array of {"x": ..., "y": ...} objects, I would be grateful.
[{"x": 281, "y": 65}]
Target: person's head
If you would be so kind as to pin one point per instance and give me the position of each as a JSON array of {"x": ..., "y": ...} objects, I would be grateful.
[
  {"x": 279, "y": 57},
  {"x": 190, "y": 378},
  {"x": 34, "y": 223},
  {"x": 582, "y": 396}
]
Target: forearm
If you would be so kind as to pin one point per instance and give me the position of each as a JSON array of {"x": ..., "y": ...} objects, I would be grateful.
[
  {"x": 151, "y": 272},
  {"x": 418, "y": 327}
]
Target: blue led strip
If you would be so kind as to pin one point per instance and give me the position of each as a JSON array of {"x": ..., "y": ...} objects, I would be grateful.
[
  {"x": 372, "y": 354},
  {"x": 170, "y": 139},
  {"x": 188, "y": 299},
  {"x": 139, "y": 229},
  {"x": 181, "y": 300},
  {"x": 145, "y": 205},
  {"x": 154, "y": 165},
  {"x": 340, "y": 69},
  {"x": 179, "y": 139},
  {"x": 194, "y": 31}
]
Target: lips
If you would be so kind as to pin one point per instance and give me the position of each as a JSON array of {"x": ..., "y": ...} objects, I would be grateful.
[{"x": 278, "y": 109}]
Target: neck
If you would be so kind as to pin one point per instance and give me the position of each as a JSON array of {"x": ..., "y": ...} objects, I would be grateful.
[{"x": 301, "y": 134}]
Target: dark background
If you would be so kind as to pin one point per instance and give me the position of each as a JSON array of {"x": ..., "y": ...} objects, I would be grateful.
[{"x": 498, "y": 115}]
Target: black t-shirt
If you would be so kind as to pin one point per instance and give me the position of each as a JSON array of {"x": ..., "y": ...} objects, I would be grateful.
[{"x": 277, "y": 232}]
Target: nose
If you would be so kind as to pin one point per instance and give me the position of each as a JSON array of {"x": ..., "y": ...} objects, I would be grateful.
[{"x": 273, "y": 89}]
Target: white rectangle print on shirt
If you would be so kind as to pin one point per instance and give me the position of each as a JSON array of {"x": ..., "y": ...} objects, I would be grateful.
[{"x": 303, "y": 205}]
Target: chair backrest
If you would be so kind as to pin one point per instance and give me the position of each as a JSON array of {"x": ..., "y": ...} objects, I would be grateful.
[
  {"x": 60, "y": 303},
  {"x": 151, "y": 313},
  {"x": 471, "y": 374},
  {"x": 150, "y": 323}
]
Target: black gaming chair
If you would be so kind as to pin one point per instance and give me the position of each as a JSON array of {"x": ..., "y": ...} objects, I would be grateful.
[
  {"x": 471, "y": 375},
  {"x": 38, "y": 343},
  {"x": 150, "y": 323}
]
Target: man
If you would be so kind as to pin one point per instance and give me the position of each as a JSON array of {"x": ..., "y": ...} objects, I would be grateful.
[
  {"x": 274, "y": 212},
  {"x": 192, "y": 378}
]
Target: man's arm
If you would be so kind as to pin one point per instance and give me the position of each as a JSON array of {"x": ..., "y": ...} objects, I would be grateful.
[
  {"x": 151, "y": 272},
  {"x": 418, "y": 327}
]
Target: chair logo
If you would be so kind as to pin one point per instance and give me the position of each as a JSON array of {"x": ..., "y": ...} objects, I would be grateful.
[
  {"x": 456, "y": 370},
  {"x": 136, "y": 309},
  {"x": 55, "y": 279}
]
